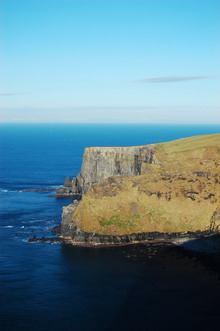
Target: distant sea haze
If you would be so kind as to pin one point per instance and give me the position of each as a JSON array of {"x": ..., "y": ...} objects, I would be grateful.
[{"x": 59, "y": 287}]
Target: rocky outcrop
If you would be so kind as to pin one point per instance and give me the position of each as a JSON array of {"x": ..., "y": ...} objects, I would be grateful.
[{"x": 102, "y": 162}]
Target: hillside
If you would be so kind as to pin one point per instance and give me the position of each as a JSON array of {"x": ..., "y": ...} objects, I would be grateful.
[{"x": 178, "y": 192}]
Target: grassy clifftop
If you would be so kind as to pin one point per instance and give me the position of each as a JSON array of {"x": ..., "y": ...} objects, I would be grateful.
[
  {"x": 180, "y": 194},
  {"x": 196, "y": 148}
]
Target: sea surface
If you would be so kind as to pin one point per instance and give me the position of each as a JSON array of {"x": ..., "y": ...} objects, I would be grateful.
[{"x": 46, "y": 286}]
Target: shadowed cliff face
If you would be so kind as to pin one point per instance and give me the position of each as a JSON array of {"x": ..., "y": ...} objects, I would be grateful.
[{"x": 103, "y": 162}]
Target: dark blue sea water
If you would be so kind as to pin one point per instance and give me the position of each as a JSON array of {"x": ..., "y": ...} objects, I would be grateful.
[{"x": 47, "y": 286}]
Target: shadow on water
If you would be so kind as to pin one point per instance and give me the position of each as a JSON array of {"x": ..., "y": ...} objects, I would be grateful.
[
  {"x": 146, "y": 287},
  {"x": 206, "y": 250},
  {"x": 136, "y": 287}
]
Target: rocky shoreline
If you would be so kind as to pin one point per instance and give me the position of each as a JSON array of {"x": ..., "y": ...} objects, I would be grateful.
[
  {"x": 75, "y": 235},
  {"x": 39, "y": 190},
  {"x": 205, "y": 242}
]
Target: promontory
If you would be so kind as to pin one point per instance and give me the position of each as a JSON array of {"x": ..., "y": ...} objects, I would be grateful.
[{"x": 157, "y": 191}]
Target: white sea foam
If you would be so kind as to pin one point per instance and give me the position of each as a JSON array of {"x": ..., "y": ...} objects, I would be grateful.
[
  {"x": 3, "y": 190},
  {"x": 35, "y": 221}
]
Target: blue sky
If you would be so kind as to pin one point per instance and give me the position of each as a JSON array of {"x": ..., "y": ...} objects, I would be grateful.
[{"x": 153, "y": 61}]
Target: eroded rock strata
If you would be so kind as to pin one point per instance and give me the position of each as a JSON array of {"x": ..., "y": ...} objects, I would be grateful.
[{"x": 170, "y": 190}]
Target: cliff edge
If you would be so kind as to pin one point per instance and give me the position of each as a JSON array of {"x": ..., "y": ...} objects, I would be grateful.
[
  {"x": 103, "y": 162},
  {"x": 158, "y": 191}
]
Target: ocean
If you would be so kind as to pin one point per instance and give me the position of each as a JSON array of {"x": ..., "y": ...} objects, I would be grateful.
[{"x": 46, "y": 286}]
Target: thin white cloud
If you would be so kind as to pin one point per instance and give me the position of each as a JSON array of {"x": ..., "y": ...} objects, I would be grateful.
[
  {"x": 8, "y": 94},
  {"x": 171, "y": 79}
]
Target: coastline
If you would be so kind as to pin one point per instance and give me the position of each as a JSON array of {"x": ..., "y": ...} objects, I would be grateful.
[{"x": 201, "y": 241}]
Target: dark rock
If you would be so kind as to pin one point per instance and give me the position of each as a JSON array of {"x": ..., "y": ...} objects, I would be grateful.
[
  {"x": 45, "y": 239},
  {"x": 39, "y": 190},
  {"x": 56, "y": 230},
  {"x": 201, "y": 174},
  {"x": 68, "y": 182},
  {"x": 209, "y": 196}
]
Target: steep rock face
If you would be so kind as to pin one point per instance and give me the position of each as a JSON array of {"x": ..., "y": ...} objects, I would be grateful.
[{"x": 102, "y": 162}]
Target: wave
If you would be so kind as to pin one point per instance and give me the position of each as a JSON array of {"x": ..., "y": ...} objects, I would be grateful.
[
  {"x": 25, "y": 190},
  {"x": 28, "y": 187},
  {"x": 55, "y": 186},
  {"x": 3, "y": 190}
]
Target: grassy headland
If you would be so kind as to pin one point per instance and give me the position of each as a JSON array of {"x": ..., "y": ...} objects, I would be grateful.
[{"x": 180, "y": 194}]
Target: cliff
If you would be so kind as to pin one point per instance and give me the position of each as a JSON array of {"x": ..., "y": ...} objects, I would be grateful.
[
  {"x": 158, "y": 191},
  {"x": 103, "y": 162}
]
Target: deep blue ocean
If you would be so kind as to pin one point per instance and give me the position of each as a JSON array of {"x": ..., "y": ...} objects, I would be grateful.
[{"x": 46, "y": 286}]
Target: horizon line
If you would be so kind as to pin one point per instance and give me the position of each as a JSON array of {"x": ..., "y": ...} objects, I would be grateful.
[{"x": 128, "y": 123}]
